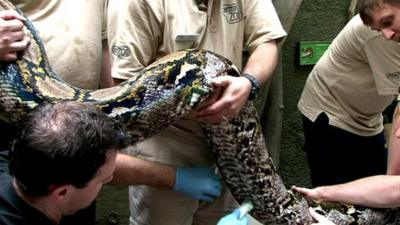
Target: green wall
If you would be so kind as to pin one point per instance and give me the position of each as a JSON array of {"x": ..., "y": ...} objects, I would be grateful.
[{"x": 315, "y": 21}]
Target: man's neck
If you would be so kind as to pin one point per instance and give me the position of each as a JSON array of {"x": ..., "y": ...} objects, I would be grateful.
[{"x": 40, "y": 203}]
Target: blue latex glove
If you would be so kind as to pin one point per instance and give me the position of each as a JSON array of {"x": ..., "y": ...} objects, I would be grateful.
[
  {"x": 198, "y": 182},
  {"x": 233, "y": 219}
]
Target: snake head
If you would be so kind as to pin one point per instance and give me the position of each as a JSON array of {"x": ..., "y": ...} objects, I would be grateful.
[{"x": 216, "y": 65}]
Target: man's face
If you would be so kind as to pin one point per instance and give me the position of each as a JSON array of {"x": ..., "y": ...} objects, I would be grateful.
[
  {"x": 83, "y": 197},
  {"x": 386, "y": 19}
]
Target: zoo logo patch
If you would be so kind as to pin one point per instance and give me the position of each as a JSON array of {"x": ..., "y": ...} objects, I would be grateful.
[
  {"x": 394, "y": 77},
  {"x": 232, "y": 12},
  {"x": 121, "y": 51}
]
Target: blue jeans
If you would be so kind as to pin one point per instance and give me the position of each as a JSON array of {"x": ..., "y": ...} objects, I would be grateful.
[{"x": 337, "y": 156}]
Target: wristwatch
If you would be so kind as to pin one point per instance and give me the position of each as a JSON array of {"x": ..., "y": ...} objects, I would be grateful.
[{"x": 255, "y": 86}]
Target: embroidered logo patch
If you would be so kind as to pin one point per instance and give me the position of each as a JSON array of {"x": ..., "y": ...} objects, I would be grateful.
[
  {"x": 121, "y": 51},
  {"x": 232, "y": 12},
  {"x": 394, "y": 77}
]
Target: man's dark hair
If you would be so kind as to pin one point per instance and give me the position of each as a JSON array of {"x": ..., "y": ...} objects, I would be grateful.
[
  {"x": 63, "y": 143},
  {"x": 366, "y": 7}
]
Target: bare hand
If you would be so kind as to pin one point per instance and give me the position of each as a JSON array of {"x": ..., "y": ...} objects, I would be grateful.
[
  {"x": 309, "y": 193},
  {"x": 321, "y": 220},
  {"x": 229, "y": 98},
  {"x": 12, "y": 36}
]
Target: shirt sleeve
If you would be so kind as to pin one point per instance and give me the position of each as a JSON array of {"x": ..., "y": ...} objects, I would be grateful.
[
  {"x": 134, "y": 33},
  {"x": 262, "y": 23},
  {"x": 383, "y": 59},
  {"x": 104, "y": 21}
]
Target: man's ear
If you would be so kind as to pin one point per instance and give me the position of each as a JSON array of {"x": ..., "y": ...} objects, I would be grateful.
[{"x": 61, "y": 192}]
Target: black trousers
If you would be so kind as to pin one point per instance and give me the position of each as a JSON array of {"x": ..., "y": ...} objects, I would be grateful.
[{"x": 336, "y": 156}]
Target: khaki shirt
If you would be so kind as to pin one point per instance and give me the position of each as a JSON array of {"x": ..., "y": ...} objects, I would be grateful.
[
  {"x": 354, "y": 81},
  {"x": 141, "y": 31},
  {"x": 72, "y": 32}
]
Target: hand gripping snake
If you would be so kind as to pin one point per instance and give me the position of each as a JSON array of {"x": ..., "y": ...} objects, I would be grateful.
[{"x": 162, "y": 93}]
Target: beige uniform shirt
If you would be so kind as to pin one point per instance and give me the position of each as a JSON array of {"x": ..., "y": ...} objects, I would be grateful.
[
  {"x": 72, "y": 31},
  {"x": 160, "y": 27},
  {"x": 354, "y": 81},
  {"x": 143, "y": 31}
]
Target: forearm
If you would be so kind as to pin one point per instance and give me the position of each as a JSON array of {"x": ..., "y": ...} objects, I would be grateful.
[
  {"x": 106, "y": 80},
  {"x": 262, "y": 61},
  {"x": 394, "y": 146},
  {"x": 117, "y": 81},
  {"x": 130, "y": 170},
  {"x": 381, "y": 191}
]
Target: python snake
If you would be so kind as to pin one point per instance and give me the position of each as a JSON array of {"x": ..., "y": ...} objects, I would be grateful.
[{"x": 162, "y": 93}]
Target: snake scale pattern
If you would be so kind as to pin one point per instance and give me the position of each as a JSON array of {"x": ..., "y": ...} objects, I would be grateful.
[{"x": 164, "y": 92}]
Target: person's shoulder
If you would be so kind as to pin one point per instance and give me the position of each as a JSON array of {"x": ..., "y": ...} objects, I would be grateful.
[
  {"x": 8, "y": 201},
  {"x": 362, "y": 36},
  {"x": 357, "y": 29},
  {"x": 14, "y": 210},
  {"x": 7, "y": 219}
]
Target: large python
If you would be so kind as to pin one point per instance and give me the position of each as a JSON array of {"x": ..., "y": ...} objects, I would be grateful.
[{"x": 164, "y": 92}]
